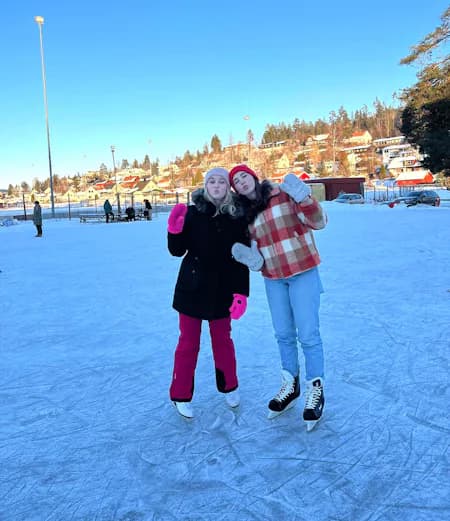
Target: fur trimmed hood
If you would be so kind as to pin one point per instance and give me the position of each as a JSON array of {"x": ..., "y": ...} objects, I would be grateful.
[
  {"x": 251, "y": 208},
  {"x": 202, "y": 205}
]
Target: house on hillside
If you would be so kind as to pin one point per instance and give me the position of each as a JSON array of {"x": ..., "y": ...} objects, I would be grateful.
[
  {"x": 282, "y": 166},
  {"x": 101, "y": 190},
  {"x": 330, "y": 167},
  {"x": 388, "y": 141},
  {"x": 414, "y": 177},
  {"x": 35, "y": 195},
  {"x": 359, "y": 137},
  {"x": 271, "y": 145},
  {"x": 72, "y": 196},
  {"x": 129, "y": 182},
  {"x": 3, "y": 193},
  {"x": 404, "y": 163},
  {"x": 299, "y": 172},
  {"x": 103, "y": 186},
  {"x": 282, "y": 163},
  {"x": 357, "y": 158},
  {"x": 319, "y": 139},
  {"x": 144, "y": 188},
  {"x": 166, "y": 182},
  {"x": 392, "y": 152}
]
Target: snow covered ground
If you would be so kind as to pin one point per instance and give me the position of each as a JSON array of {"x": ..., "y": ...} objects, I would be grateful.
[{"x": 87, "y": 336}]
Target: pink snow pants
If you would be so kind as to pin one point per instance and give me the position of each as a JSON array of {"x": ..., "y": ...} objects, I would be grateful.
[{"x": 186, "y": 354}]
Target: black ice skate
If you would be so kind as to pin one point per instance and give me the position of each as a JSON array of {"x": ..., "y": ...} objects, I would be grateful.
[
  {"x": 286, "y": 396},
  {"x": 314, "y": 403}
]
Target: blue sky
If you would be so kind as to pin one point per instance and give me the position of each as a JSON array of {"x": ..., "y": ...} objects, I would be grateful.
[{"x": 160, "y": 78}]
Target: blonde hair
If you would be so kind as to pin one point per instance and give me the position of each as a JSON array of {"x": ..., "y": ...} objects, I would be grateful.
[{"x": 225, "y": 206}]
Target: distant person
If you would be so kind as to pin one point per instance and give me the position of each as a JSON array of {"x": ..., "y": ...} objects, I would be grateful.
[
  {"x": 211, "y": 286},
  {"x": 131, "y": 214},
  {"x": 108, "y": 210},
  {"x": 37, "y": 218},
  {"x": 147, "y": 210}
]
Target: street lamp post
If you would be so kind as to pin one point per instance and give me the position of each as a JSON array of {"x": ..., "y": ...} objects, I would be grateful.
[
  {"x": 249, "y": 141},
  {"x": 40, "y": 21},
  {"x": 113, "y": 149},
  {"x": 149, "y": 158}
]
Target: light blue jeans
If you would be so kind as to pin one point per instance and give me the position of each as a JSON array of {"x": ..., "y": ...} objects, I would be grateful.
[{"x": 294, "y": 305}]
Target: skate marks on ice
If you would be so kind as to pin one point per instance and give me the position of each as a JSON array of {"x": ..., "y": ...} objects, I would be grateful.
[
  {"x": 254, "y": 468},
  {"x": 63, "y": 443},
  {"x": 213, "y": 467},
  {"x": 389, "y": 391},
  {"x": 387, "y": 463},
  {"x": 152, "y": 463},
  {"x": 87, "y": 431}
]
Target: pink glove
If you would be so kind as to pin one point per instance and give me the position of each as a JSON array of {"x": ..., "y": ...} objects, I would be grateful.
[
  {"x": 176, "y": 218},
  {"x": 238, "y": 306}
]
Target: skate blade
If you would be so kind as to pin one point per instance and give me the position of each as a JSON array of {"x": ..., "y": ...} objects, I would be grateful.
[
  {"x": 183, "y": 415},
  {"x": 274, "y": 414},
  {"x": 310, "y": 424},
  {"x": 187, "y": 418},
  {"x": 233, "y": 404}
]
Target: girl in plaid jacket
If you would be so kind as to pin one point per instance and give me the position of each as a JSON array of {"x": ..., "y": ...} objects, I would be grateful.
[{"x": 281, "y": 219}]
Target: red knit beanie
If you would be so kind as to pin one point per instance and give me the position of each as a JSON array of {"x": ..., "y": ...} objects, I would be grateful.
[{"x": 241, "y": 168}]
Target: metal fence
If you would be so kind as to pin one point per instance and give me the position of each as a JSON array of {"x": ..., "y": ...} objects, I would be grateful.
[
  {"x": 381, "y": 194},
  {"x": 65, "y": 209}
]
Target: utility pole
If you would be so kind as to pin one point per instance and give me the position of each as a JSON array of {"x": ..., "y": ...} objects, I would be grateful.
[
  {"x": 40, "y": 21},
  {"x": 113, "y": 149}
]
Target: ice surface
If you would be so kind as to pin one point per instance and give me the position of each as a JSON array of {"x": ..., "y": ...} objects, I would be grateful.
[{"x": 87, "y": 431}]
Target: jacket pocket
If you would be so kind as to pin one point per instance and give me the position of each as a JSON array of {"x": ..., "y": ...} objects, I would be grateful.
[{"x": 189, "y": 276}]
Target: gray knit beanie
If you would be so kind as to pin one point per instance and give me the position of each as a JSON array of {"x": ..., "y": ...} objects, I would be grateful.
[{"x": 221, "y": 172}]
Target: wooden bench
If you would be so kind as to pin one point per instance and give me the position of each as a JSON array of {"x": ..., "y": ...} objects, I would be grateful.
[{"x": 92, "y": 217}]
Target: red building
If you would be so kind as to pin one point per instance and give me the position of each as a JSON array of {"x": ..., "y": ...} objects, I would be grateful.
[{"x": 335, "y": 185}]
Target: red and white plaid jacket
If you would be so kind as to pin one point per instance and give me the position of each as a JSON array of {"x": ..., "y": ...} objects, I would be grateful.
[{"x": 284, "y": 236}]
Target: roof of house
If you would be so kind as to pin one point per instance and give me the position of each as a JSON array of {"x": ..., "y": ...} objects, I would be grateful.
[
  {"x": 319, "y": 137},
  {"x": 103, "y": 185},
  {"x": 357, "y": 147},
  {"x": 400, "y": 162},
  {"x": 423, "y": 176}
]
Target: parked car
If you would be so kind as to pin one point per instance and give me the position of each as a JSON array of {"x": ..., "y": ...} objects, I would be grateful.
[
  {"x": 420, "y": 197},
  {"x": 349, "y": 199}
]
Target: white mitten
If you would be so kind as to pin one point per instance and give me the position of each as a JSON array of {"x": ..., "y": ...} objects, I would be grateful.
[
  {"x": 248, "y": 256},
  {"x": 295, "y": 188}
]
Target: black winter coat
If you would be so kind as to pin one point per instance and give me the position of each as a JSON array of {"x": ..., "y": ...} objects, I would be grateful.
[{"x": 208, "y": 275}]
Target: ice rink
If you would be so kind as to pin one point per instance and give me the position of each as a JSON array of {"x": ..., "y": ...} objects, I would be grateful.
[{"x": 87, "y": 335}]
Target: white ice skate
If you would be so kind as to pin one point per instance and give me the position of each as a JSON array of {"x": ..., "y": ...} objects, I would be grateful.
[
  {"x": 184, "y": 409},
  {"x": 233, "y": 399}
]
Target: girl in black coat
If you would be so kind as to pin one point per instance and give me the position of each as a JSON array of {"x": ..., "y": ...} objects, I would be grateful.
[{"x": 211, "y": 285}]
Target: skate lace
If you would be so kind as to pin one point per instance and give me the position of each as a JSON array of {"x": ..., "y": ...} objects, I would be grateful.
[
  {"x": 313, "y": 397},
  {"x": 286, "y": 389}
]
